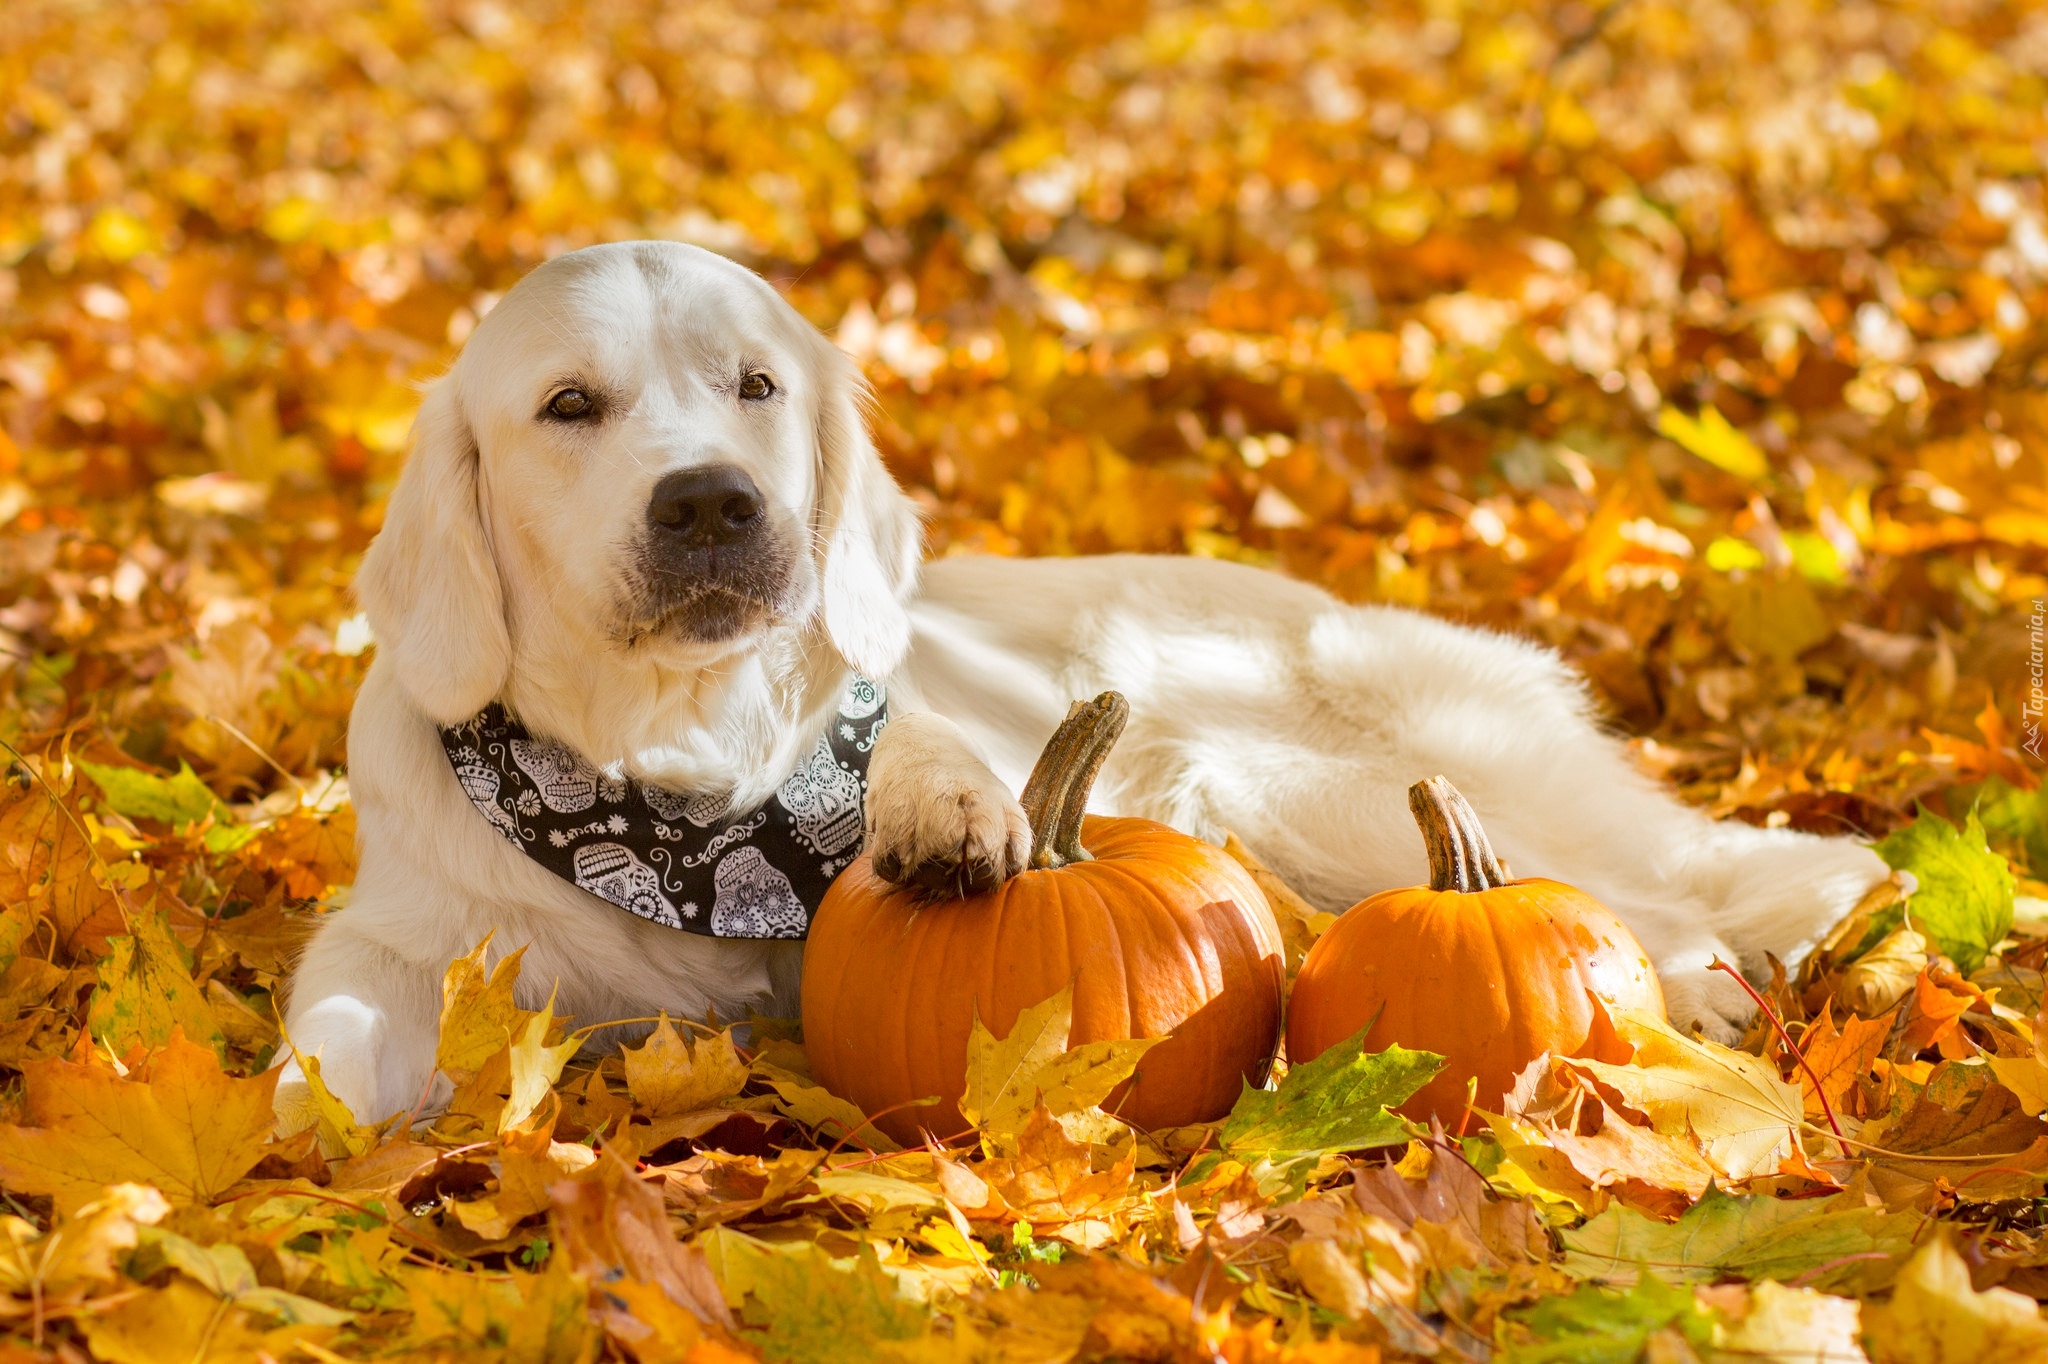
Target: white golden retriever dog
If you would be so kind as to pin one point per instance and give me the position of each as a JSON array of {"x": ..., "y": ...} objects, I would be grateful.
[{"x": 531, "y": 556}]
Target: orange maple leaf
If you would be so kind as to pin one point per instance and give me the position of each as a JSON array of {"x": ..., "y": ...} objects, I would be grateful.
[
  {"x": 1939, "y": 1002},
  {"x": 1996, "y": 756},
  {"x": 46, "y": 861},
  {"x": 311, "y": 851},
  {"x": 1838, "y": 1059}
]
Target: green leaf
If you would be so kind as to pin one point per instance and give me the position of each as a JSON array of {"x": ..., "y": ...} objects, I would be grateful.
[
  {"x": 1748, "y": 1238},
  {"x": 2017, "y": 817},
  {"x": 226, "y": 838},
  {"x": 798, "y": 1304},
  {"x": 1337, "y": 1102},
  {"x": 1595, "y": 1326},
  {"x": 130, "y": 791},
  {"x": 146, "y": 990},
  {"x": 1964, "y": 898},
  {"x": 225, "y": 1271},
  {"x": 1815, "y": 556}
]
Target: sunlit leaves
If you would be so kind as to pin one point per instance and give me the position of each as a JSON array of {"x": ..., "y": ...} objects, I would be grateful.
[
  {"x": 1744, "y": 1116},
  {"x": 1711, "y": 438},
  {"x": 88, "y": 1251},
  {"x": 534, "y": 1066}
]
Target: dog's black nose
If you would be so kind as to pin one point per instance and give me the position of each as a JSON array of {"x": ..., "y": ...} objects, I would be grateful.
[{"x": 715, "y": 505}]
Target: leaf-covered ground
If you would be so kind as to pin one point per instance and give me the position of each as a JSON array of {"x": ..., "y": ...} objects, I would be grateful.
[{"x": 1701, "y": 341}]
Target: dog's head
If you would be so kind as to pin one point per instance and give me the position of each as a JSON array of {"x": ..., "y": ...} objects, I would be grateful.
[{"x": 642, "y": 449}]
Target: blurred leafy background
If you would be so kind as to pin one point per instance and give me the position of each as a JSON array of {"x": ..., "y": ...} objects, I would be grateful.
[
  {"x": 1701, "y": 341},
  {"x": 1677, "y": 336}
]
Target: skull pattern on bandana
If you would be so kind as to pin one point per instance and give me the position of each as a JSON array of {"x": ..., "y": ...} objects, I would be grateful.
[{"x": 678, "y": 858}]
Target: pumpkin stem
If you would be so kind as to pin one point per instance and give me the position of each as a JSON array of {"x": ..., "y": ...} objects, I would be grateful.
[
  {"x": 1056, "y": 796},
  {"x": 1460, "y": 858}
]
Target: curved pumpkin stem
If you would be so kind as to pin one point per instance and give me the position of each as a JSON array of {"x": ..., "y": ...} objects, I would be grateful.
[
  {"x": 1460, "y": 858},
  {"x": 1056, "y": 796}
]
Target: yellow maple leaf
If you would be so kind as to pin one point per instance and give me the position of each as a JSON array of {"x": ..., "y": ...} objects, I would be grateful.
[
  {"x": 146, "y": 991},
  {"x": 819, "y": 1109},
  {"x": 1001, "y": 1072},
  {"x": 1937, "y": 1317},
  {"x": 340, "y": 1134},
  {"x": 669, "y": 1077},
  {"x": 1009, "y": 1077},
  {"x": 1051, "y": 1177},
  {"x": 477, "y": 1013},
  {"x": 178, "y": 1123},
  {"x": 1732, "y": 1103},
  {"x": 535, "y": 1066}
]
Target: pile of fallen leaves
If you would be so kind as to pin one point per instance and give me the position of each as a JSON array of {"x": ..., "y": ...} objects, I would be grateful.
[{"x": 1701, "y": 342}]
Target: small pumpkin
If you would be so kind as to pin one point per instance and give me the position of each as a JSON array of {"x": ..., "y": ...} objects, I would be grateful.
[
  {"x": 1160, "y": 935},
  {"x": 1488, "y": 972}
]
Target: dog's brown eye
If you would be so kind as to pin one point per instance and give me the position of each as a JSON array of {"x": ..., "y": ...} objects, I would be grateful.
[
  {"x": 756, "y": 386},
  {"x": 571, "y": 403}
]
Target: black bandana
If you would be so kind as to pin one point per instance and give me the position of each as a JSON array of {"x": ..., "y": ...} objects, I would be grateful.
[{"x": 679, "y": 859}]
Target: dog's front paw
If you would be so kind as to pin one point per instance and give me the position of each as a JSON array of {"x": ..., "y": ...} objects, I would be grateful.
[
  {"x": 1697, "y": 996},
  {"x": 293, "y": 1103},
  {"x": 937, "y": 817}
]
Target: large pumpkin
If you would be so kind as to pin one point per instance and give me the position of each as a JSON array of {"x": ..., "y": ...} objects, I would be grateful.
[
  {"x": 1488, "y": 972},
  {"x": 1160, "y": 935}
]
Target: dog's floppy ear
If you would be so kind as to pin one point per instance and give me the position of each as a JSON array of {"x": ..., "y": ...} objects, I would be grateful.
[
  {"x": 429, "y": 583},
  {"x": 869, "y": 530}
]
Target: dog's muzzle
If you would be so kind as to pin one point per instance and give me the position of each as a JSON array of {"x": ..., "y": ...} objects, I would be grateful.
[{"x": 712, "y": 562}]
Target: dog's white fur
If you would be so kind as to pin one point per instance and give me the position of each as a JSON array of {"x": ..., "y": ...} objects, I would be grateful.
[{"x": 1259, "y": 705}]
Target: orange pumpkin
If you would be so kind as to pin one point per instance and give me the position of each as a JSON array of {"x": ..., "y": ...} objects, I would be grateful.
[
  {"x": 1160, "y": 935},
  {"x": 1488, "y": 972}
]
